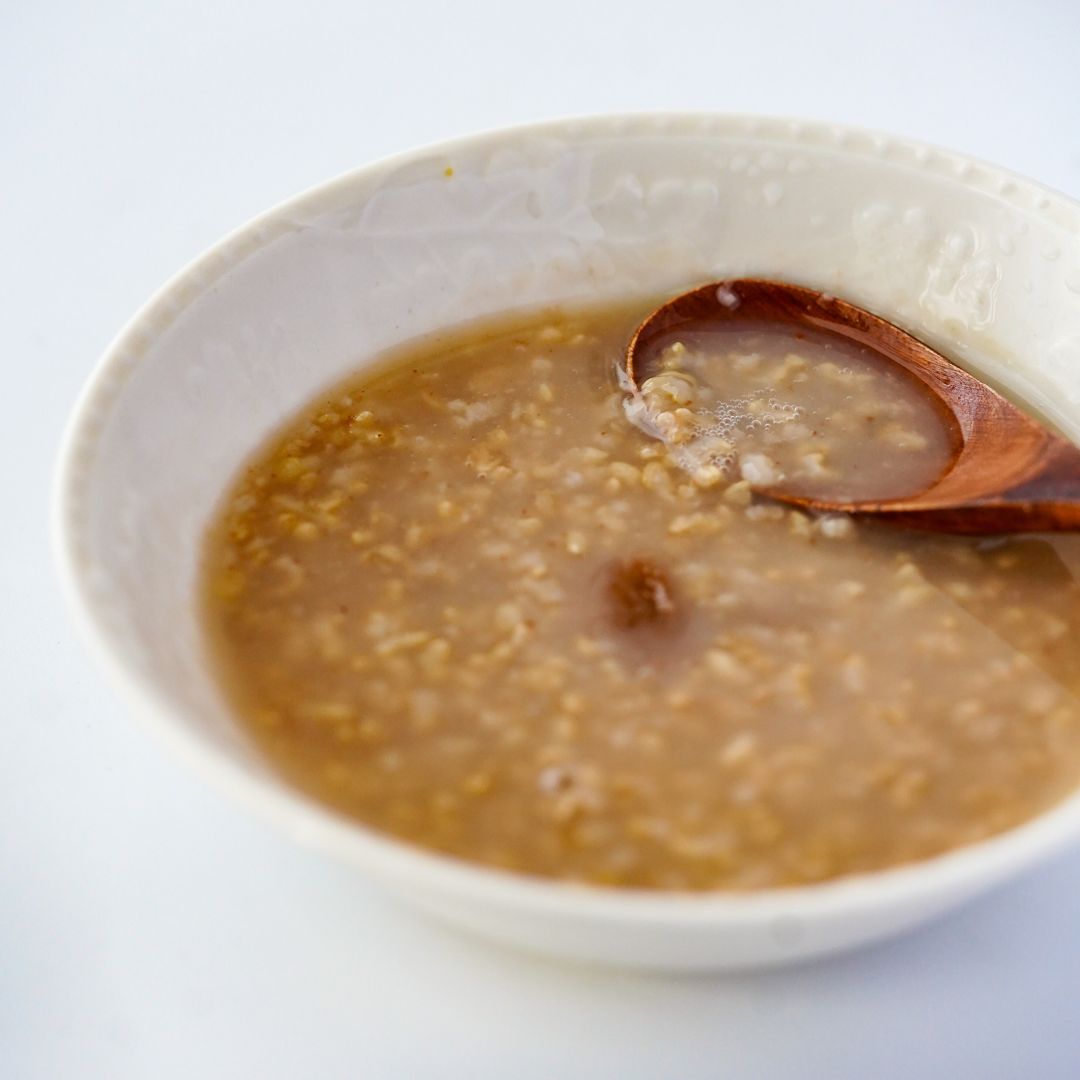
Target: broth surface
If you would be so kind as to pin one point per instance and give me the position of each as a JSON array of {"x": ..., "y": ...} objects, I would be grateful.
[{"x": 465, "y": 600}]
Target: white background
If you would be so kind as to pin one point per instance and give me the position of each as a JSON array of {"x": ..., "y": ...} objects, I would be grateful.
[{"x": 148, "y": 928}]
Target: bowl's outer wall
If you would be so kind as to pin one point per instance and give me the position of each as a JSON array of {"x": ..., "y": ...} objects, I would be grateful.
[{"x": 976, "y": 261}]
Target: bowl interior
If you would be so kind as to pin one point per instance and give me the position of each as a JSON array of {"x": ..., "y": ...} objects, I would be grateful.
[{"x": 979, "y": 263}]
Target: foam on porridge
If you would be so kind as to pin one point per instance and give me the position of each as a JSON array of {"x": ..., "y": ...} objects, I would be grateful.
[{"x": 465, "y": 600}]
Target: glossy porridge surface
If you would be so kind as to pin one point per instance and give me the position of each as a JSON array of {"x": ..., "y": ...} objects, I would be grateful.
[{"x": 470, "y": 598}]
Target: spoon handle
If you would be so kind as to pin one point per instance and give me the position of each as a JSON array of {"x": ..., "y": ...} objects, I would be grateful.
[{"x": 1050, "y": 494}]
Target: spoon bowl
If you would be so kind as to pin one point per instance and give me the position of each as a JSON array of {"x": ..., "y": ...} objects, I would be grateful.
[{"x": 1007, "y": 473}]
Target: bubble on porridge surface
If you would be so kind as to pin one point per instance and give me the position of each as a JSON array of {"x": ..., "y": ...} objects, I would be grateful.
[{"x": 727, "y": 297}]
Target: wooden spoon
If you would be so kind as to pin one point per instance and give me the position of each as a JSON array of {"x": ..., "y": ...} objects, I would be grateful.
[{"x": 1008, "y": 473}]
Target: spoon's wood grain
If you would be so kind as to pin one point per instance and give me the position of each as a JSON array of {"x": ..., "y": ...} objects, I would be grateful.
[{"x": 1008, "y": 473}]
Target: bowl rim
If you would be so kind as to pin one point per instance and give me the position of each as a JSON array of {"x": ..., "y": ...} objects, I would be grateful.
[{"x": 968, "y": 869}]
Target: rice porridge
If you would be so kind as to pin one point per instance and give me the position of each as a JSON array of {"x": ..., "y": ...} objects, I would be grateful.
[{"x": 486, "y": 599}]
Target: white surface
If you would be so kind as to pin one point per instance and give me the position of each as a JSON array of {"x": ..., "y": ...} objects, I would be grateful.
[{"x": 148, "y": 928}]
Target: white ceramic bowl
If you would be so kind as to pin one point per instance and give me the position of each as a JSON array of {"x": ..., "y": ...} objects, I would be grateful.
[{"x": 971, "y": 258}]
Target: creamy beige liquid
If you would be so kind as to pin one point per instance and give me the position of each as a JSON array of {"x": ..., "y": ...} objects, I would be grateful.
[{"x": 466, "y": 600}]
